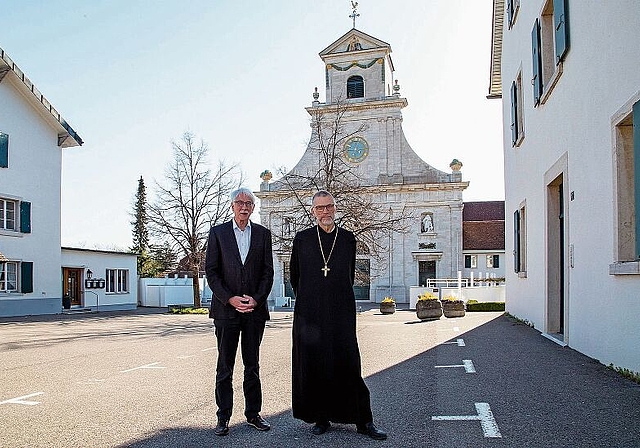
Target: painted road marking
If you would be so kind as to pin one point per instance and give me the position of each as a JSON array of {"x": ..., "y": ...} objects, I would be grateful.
[
  {"x": 207, "y": 349},
  {"x": 147, "y": 366},
  {"x": 466, "y": 363},
  {"x": 456, "y": 329},
  {"x": 185, "y": 356},
  {"x": 91, "y": 381},
  {"x": 458, "y": 342},
  {"x": 21, "y": 400},
  {"x": 485, "y": 416}
]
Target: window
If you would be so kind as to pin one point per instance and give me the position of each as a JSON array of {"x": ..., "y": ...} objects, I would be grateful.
[
  {"x": 4, "y": 150},
  {"x": 627, "y": 183},
  {"x": 355, "y": 87},
  {"x": 8, "y": 214},
  {"x": 519, "y": 241},
  {"x": 517, "y": 114},
  {"x": 470, "y": 261},
  {"x": 117, "y": 281},
  {"x": 8, "y": 276},
  {"x": 513, "y": 6},
  {"x": 288, "y": 227},
  {"x": 10, "y": 211},
  {"x": 549, "y": 46},
  {"x": 16, "y": 277},
  {"x": 493, "y": 261}
]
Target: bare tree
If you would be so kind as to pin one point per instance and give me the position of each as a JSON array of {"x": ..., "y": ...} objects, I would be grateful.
[
  {"x": 371, "y": 221},
  {"x": 191, "y": 199}
]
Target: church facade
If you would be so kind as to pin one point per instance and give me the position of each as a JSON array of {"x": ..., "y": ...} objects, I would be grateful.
[{"x": 359, "y": 84}]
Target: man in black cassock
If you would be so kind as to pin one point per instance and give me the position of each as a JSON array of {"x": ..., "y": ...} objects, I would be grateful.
[{"x": 327, "y": 379}]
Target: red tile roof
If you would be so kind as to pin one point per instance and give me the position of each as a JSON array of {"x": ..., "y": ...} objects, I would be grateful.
[
  {"x": 483, "y": 225},
  {"x": 483, "y": 211}
]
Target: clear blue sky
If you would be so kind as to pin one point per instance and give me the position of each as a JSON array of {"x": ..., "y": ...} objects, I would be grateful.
[{"x": 131, "y": 76}]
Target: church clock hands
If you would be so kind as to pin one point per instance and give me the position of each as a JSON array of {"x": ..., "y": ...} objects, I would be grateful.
[{"x": 356, "y": 149}]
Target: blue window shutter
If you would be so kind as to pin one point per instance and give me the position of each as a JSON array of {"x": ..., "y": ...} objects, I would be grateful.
[
  {"x": 516, "y": 241},
  {"x": 636, "y": 171},
  {"x": 26, "y": 276},
  {"x": 496, "y": 261},
  {"x": 561, "y": 29},
  {"x": 537, "y": 63},
  {"x": 514, "y": 113},
  {"x": 467, "y": 261},
  {"x": 25, "y": 217},
  {"x": 4, "y": 150}
]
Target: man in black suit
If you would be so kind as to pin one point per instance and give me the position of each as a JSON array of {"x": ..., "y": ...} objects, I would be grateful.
[{"x": 239, "y": 269}]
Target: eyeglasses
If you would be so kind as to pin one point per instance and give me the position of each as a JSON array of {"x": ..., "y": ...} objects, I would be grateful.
[
  {"x": 247, "y": 204},
  {"x": 328, "y": 207}
]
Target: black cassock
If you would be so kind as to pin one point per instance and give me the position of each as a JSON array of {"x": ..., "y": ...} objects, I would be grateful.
[{"x": 327, "y": 374}]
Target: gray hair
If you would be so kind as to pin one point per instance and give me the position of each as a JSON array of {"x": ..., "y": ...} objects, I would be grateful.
[
  {"x": 322, "y": 194},
  {"x": 242, "y": 190}
]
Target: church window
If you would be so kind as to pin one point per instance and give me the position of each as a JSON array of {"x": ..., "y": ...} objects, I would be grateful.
[
  {"x": 355, "y": 87},
  {"x": 550, "y": 43},
  {"x": 627, "y": 183}
]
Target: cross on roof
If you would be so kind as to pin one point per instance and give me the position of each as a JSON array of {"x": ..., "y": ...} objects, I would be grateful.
[{"x": 354, "y": 14}]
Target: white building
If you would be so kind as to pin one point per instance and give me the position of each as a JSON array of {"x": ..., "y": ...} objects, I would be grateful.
[
  {"x": 568, "y": 75},
  {"x": 32, "y": 137},
  {"x": 359, "y": 78}
]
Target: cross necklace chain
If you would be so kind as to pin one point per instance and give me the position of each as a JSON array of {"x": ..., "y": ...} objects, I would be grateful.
[{"x": 326, "y": 269}]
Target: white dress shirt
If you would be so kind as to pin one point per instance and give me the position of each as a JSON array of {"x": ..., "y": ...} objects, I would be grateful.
[{"x": 243, "y": 238}]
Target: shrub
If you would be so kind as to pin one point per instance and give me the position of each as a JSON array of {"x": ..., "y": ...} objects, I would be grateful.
[
  {"x": 181, "y": 309},
  {"x": 388, "y": 300},
  {"x": 473, "y": 305}
]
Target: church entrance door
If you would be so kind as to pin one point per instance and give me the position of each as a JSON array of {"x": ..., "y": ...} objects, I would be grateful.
[{"x": 426, "y": 270}]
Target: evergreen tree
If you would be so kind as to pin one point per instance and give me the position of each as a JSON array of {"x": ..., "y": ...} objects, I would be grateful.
[{"x": 146, "y": 265}]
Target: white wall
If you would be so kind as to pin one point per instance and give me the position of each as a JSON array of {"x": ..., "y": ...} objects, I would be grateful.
[
  {"x": 600, "y": 74},
  {"x": 98, "y": 262},
  {"x": 33, "y": 175}
]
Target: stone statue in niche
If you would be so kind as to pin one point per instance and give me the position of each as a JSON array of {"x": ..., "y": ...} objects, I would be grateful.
[
  {"x": 427, "y": 223},
  {"x": 354, "y": 45}
]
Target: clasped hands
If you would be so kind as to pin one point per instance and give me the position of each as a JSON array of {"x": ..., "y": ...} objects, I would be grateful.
[{"x": 243, "y": 304}]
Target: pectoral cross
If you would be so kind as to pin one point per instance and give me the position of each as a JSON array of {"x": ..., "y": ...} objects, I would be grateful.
[{"x": 325, "y": 269}]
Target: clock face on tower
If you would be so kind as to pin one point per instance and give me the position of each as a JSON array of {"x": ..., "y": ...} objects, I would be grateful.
[{"x": 356, "y": 149}]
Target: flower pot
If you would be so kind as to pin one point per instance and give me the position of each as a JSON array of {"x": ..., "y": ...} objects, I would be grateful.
[
  {"x": 428, "y": 309},
  {"x": 453, "y": 308},
  {"x": 387, "y": 308}
]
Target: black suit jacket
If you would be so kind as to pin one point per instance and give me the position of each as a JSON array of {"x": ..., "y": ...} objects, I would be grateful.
[{"x": 228, "y": 277}]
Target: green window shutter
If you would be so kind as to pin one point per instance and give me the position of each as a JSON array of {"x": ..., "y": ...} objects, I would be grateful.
[
  {"x": 516, "y": 241},
  {"x": 636, "y": 171},
  {"x": 25, "y": 217},
  {"x": 4, "y": 150},
  {"x": 537, "y": 63},
  {"x": 26, "y": 276},
  {"x": 514, "y": 113},
  {"x": 561, "y": 29}
]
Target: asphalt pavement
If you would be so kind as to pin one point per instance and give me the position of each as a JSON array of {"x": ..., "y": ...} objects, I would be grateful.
[{"x": 144, "y": 378}]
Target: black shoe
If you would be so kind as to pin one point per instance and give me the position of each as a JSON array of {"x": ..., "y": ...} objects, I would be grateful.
[
  {"x": 320, "y": 428},
  {"x": 373, "y": 432},
  {"x": 222, "y": 428},
  {"x": 259, "y": 423}
]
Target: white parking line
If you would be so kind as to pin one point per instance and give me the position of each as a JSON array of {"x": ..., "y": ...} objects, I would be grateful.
[
  {"x": 458, "y": 342},
  {"x": 466, "y": 363},
  {"x": 21, "y": 400},
  {"x": 485, "y": 416},
  {"x": 153, "y": 365},
  {"x": 207, "y": 349}
]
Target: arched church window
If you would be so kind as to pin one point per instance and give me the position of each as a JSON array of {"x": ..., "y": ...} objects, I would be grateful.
[{"x": 355, "y": 87}]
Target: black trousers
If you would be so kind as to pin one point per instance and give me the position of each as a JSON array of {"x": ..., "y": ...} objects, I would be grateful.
[{"x": 228, "y": 332}]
